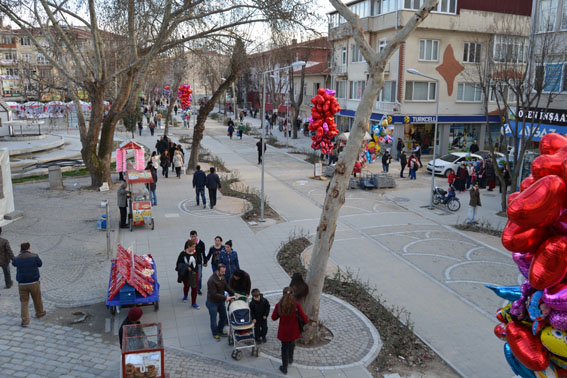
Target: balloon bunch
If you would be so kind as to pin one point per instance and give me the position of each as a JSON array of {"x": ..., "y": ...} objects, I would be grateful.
[
  {"x": 322, "y": 120},
  {"x": 534, "y": 323},
  {"x": 184, "y": 94}
]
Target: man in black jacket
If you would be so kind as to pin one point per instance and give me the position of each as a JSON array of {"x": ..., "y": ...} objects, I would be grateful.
[
  {"x": 27, "y": 266},
  {"x": 259, "y": 311},
  {"x": 6, "y": 255},
  {"x": 199, "y": 181},
  {"x": 213, "y": 183},
  {"x": 403, "y": 163},
  {"x": 200, "y": 256}
]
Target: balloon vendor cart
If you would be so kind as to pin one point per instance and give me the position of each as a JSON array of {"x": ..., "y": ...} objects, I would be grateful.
[
  {"x": 142, "y": 351},
  {"x": 133, "y": 281}
]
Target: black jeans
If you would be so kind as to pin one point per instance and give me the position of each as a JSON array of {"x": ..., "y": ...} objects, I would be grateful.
[
  {"x": 122, "y": 216},
  {"x": 260, "y": 328},
  {"x": 213, "y": 197},
  {"x": 287, "y": 353},
  {"x": 259, "y": 157},
  {"x": 165, "y": 170},
  {"x": 7, "y": 277}
]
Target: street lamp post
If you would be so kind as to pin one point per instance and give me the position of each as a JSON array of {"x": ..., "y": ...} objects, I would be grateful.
[
  {"x": 295, "y": 64},
  {"x": 413, "y": 71}
]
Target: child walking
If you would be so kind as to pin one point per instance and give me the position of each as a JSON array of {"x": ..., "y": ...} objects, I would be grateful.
[{"x": 259, "y": 310}]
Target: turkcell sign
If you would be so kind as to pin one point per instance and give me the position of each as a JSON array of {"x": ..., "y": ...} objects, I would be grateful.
[{"x": 422, "y": 119}]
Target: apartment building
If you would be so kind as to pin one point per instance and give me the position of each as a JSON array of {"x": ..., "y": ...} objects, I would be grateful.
[
  {"x": 315, "y": 53},
  {"x": 446, "y": 47},
  {"x": 9, "y": 77}
]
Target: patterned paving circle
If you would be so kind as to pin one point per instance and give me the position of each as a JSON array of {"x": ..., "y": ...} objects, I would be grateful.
[
  {"x": 355, "y": 341},
  {"x": 190, "y": 206}
]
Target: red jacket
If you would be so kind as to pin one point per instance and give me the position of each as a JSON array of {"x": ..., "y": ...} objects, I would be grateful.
[{"x": 288, "y": 329}]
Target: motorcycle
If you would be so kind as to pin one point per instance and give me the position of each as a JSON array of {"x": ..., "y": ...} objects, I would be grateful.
[{"x": 440, "y": 196}]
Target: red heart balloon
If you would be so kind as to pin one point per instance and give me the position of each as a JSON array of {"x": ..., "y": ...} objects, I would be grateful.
[
  {"x": 516, "y": 238},
  {"x": 551, "y": 143},
  {"x": 549, "y": 264},
  {"x": 500, "y": 331},
  {"x": 526, "y": 183},
  {"x": 527, "y": 348},
  {"x": 540, "y": 204},
  {"x": 545, "y": 165},
  {"x": 512, "y": 197}
]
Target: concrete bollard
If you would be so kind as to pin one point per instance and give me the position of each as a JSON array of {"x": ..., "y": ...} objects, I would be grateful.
[{"x": 55, "y": 177}]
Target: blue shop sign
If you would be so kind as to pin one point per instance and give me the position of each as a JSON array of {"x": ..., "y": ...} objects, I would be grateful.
[
  {"x": 422, "y": 119},
  {"x": 543, "y": 129}
]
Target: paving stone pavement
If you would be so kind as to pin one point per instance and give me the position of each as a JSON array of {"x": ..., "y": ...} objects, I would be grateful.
[{"x": 46, "y": 350}]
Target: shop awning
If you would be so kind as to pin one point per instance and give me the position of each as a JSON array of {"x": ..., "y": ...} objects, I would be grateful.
[{"x": 513, "y": 127}]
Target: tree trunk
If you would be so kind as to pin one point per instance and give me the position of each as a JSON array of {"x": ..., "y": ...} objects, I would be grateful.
[
  {"x": 334, "y": 200},
  {"x": 199, "y": 129},
  {"x": 90, "y": 143},
  {"x": 297, "y": 104},
  {"x": 172, "y": 103}
]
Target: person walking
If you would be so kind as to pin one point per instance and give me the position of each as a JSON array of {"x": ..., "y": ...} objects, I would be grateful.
[
  {"x": 413, "y": 166},
  {"x": 386, "y": 160},
  {"x": 230, "y": 128},
  {"x": 241, "y": 115},
  {"x": 399, "y": 148},
  {"x": 27, "y": 274},
  {"x": 177, "y": 162},
  {"x": 229, "y": 258},
  {"x": 214, "y": 252},
  {"x": 473, "y": 203},
  {"x": 122, "y": 195},
  {"x": 175, "y": 109},
  {"x": 6, "y": 256},
  {"x": 140, "y": 127},
  {"x": 417, "y": 153},
  {"x": 300, "y": 287},
  {"x": 490, "y": 175},
  {"x": 201, "y": 257},
  {"x": 216, "y": 287},
  {"x": 474, "y": 147},
  {"x": 259, "y": 312},
  {"x": 164, "y": 162},
  {"x": 213, "y": 184},
  {"x": 240, "y": 130},
  {"x": 199, "y": 182},
  {"x": 470, "y": 175},
  {"x": 288, "y": 310},
  {"x": 152, "y": 127},
  {"x": 154, "y": 159},
  {"x": 186, "y": 267},
  {"x": 461, "y": 178},
  {"x": 152, "y": 185},
  {"x": 240, "y": 282},
  {"x": 259, "y": 148},
  {"x": 403, "y": 162}
]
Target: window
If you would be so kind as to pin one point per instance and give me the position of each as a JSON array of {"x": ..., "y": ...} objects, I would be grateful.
[
  {"x": 356, "y": 89},
  {"x": 25, "y": 41},
  {"x": 381, "y": 45},
  {"x": 356, "y": 56},
  {"x": 498, "y": 91},
  {"x": 361, "y": 9},
  {"x": 41, "y": 59},
  {"x": 8, "y": 40},
  {"x": 429, "y": 50},
  {"x": 315, "y": 88},
  {"x": 305, "y": 89},
  {"x": 564, "y": 17},
  {"x": 388, "y": 93},
  {"x": 420, "y": 91},
  {"x": 10, "y": 55},
  {"x": 554, "y": 77},
  {"x": 27, "y": 57},
  {"x": 11, "y": 71},
  {"x": 444, "y": 6},
  {"x": 469, "y": 92},
  {"x": 384, "y": 6},
  {"x": 471, "y": 53},
  {"x": 45, "y": 73},
  {"x": 546, "y": 15},
  {"x": 510, "y": 49},
  {"x": 335, "y": 20},
  {"x": 344, "y": 56},
  {"x": 341, "y": 88}
]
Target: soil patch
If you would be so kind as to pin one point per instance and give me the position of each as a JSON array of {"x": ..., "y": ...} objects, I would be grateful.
[
  {"x": 402, "y": 351},
  {"x": 479, "y": 227}
]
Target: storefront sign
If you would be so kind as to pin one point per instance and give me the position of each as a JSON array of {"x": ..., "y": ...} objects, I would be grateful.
[
  {"x": 555, "y": 117},
  {"x": 422, "y": 119},
  {"x": 528, "y": 127}
]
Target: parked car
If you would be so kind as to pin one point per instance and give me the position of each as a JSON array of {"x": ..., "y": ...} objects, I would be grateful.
[
  {"x": 486, "y": 154},
  {"x": 446, "y": 164}
]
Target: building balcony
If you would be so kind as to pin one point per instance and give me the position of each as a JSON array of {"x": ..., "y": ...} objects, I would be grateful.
[
  {"x": 340, "y": 70},
  {"x": 387, "y": 107},
  {"x": 8, "y": 62}
]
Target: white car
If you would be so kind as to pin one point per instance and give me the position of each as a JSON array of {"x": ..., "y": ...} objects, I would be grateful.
[{"x": 446, "y": 164}]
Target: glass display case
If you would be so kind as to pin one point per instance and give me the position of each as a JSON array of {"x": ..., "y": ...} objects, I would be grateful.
[{"x": 142, "y": 351}]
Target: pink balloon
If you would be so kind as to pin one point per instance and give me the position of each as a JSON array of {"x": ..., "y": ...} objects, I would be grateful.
[{"x": 558, "y": 319}]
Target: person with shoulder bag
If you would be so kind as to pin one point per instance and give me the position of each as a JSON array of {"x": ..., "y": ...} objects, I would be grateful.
[
  {"x": 187, "y": 272},
  {"x": 291, "y": 315}
]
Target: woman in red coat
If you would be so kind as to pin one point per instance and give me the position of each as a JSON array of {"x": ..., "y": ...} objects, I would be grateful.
[{"x": 288, "y": 331}]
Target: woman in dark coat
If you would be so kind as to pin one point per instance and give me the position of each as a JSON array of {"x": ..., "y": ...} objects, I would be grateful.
[
  {"x": 287, "y": 310},
  {"x": 186, "y": 267},
  {"x": 152, "y": 186},
  {"x": 461, "y": 178},
  {"x": 164, "y": 162},
  {"x": 490, "y": 175}
]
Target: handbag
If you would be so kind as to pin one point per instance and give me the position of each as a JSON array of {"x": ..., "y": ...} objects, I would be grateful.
[
  {"x": 299, "y": 320},
  {"x": 192, "y": 279}
]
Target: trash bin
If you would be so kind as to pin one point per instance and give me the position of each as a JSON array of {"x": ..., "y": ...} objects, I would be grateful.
[{"x": 101, "y": 223}]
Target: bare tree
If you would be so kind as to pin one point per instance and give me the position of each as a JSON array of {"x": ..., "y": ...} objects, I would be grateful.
[
  {"x": 142, "y": 31},
  {"x": 512, "y": 77},
  {"x": 335, "y": 197},
  {"x": 237, "y": 62},
  {"x": 296, "y": 101}
]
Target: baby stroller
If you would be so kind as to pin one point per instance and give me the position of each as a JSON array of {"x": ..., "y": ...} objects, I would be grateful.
[{"x": 241, "y": 329}]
